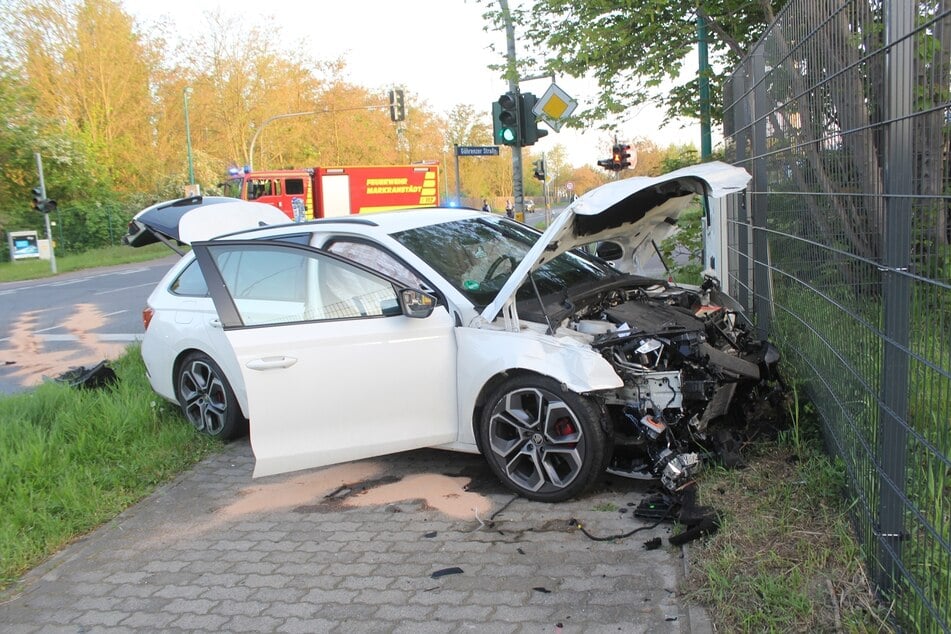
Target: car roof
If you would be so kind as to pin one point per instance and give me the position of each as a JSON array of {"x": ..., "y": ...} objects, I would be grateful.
[{"x": 386, "y": 222}]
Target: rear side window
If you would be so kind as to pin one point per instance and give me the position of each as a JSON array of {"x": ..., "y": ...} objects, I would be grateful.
[{"x": 190, "y": 282}]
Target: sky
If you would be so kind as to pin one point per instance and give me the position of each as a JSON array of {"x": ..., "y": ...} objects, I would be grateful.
[{"x": 437, "y": 49}]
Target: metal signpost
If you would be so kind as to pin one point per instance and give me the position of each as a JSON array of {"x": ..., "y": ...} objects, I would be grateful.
[{"x": 471, "y": 150}]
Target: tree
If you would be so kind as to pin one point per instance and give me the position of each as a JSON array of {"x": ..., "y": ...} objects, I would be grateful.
[
  {"x": 633, "y": 47},
  {"x": 69, "y": 171},
  {"x": 89, "y": 69},
  {"x": 586, "y": 178}
]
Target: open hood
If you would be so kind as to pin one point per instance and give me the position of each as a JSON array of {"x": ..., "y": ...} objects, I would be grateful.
[
  {"x": 631, "y": 211},
  {"x": 198, "y": 218}
]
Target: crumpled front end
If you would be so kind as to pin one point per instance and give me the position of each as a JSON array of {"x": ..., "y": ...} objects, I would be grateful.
[{"x": 690, "y": 367}]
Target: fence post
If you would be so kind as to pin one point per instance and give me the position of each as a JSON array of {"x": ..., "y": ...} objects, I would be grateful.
[
  {"x": 742, "y": 123},
  {"x": 896, "y": 286},
  {"x": 762, "y": 294}
]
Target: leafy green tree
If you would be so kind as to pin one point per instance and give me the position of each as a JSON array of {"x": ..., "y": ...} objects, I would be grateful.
[
  {"x": 68, "y": 170},
  {"x": 633, "y": 47}
]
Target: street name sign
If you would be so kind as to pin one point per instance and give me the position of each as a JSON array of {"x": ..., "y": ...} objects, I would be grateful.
[{"x": 477, "y": 150}]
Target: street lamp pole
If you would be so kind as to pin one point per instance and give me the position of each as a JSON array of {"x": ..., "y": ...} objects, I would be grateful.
[{"x": 188, "y": 138}]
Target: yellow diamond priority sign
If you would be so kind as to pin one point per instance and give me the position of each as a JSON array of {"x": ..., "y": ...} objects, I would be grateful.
[{"x": 554, "y": 107}]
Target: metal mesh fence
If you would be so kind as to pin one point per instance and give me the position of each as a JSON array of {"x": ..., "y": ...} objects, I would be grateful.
[{"x": 840, "y": 251}]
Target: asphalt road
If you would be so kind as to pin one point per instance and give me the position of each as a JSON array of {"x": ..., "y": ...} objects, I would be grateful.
[{"x": 51, "y": 325}]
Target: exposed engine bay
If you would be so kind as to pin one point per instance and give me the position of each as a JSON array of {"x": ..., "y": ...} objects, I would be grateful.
[{"x": 690, "y": 366}]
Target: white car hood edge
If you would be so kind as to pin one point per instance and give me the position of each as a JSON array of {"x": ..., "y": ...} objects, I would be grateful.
[{"x": 629, "y": 210}]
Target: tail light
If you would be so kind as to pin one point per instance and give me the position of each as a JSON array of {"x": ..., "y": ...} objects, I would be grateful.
[{"x": 147, "y": 313}]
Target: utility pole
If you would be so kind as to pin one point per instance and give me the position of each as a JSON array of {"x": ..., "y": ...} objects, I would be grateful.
[
  {"x": 545, "y": 198},
  {"x": 517, "y": 190},
  {"x": 46, "y": 216},
  {"x": 188, "y": 137}
]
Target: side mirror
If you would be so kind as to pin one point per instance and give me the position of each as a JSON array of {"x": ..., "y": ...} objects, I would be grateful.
[
  {"x": 416, "y": 303},
  {"x": 610, "y": 251}
]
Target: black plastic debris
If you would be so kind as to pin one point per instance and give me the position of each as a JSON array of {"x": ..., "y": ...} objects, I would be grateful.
[
  {"x": 653, "y": 544},
  {"x": 661, "y": 506},
  {"x": 699, "y": 521},
  {"x": 455, "y": 570},
  {"x": 542, "y": 589},
  {"x": 429, "y": 535},
  {"x": 98, "y": 376}
]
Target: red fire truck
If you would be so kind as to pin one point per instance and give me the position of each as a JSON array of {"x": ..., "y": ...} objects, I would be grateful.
[{"x": 328, "y": 192}]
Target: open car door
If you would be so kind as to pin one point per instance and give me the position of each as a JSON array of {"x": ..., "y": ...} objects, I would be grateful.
[{"x": 339, "y": 363}]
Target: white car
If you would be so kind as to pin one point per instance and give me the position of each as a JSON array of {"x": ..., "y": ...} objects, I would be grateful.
[{"x": 353, "y": 337}]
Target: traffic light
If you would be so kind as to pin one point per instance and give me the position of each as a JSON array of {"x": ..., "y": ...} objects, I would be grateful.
[
  {"x": 397, "y": 106},
  {"x": 540, "y": 169},
  {"x": 624, "y": 153},
  {"x": 620, "y": 155},
  {"x": 41, "y": 204},
  {"x": 530, "y": 130},
  {"x": 610, "y": 164},
  {"x": 505, "y": 120}
]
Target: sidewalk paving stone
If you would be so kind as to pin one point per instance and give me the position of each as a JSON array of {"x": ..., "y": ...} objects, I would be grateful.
[{"x": 215, "y": 551}]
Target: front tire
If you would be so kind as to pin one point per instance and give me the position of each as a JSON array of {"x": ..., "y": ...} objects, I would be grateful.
[
  {"x": 206, "y": 398},
  {"x": 543, "y": 442}
]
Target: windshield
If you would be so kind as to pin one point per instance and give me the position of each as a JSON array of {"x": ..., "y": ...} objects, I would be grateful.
[{"x": 477, "y": 256}]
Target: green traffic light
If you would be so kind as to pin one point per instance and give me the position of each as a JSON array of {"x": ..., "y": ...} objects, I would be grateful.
[{"x": 505, "y": 120}]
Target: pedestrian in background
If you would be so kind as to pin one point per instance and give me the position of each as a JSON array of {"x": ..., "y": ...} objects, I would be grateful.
[
  {"x": 485, "y": 205},
  {"x": 509, "y": 209}
]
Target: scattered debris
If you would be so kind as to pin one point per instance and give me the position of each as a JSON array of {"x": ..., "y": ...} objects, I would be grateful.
[
  {"x": 429, "y": 535},
  {"x": 455, "y": 570},
  {"x": 542, "y": 589},
  {"x": 98, "y": 376},
  {"x": 698, "y": 520},
  {"x": 653, "y": 544},
  {"x": 658, "y": 507}
]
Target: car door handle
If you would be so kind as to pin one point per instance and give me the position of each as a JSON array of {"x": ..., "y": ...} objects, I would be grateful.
[
  {"x": 271, "y": 363},
  {"x": 215, "y": 323}
]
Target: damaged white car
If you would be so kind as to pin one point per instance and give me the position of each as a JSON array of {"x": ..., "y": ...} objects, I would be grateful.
[{"x": 353, "y": 337}]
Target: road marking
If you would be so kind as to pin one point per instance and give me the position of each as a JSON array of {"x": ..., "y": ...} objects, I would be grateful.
[
  {"x": 124, "y": 288},
  {"x": 85, "y": 278},
  {"x": 116, "y": 337}
]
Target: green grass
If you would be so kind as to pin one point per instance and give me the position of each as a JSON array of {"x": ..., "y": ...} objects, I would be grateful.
[
  {"x": 842, "y": 379},
  {"x": 106, "y": 256},
  {"x": 785, "y": 558},
  {"x": 72, "y": 459}
]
